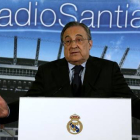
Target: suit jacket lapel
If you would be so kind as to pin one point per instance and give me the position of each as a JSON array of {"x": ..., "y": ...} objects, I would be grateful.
[
  {"x": 61, "y": 77},
  {"x": 91, "y": 75}
]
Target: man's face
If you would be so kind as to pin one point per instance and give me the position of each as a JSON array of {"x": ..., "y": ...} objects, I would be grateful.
[{"x": 76, "y": 52}]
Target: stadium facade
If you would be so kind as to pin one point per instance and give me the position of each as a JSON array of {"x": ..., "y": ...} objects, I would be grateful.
[{"x": 17, "y": 75}]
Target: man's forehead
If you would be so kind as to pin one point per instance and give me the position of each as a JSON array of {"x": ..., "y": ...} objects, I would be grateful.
[
  {"x": 74, "y": 31},
  {"x": 77, "y": 35},
  {"x": 75, "y": 28}
]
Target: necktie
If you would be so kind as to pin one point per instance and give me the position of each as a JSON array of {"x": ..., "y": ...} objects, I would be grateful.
[{"x": 76, "y": 81}]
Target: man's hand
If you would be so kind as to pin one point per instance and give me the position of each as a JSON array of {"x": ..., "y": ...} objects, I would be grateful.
[
  {"x": 1, "y": 126},
  {"x": 4, "y": 110}
]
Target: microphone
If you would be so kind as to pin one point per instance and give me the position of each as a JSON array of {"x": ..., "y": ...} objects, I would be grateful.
[
  {"x": 94, "y": 89},
  {"x": 100, "y": 92},
  {"x": 60, "y": 88}
]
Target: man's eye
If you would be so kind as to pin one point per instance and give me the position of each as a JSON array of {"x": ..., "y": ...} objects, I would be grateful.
[
  {"x": 78, "y": 39},
  {"x": 68, "y": 41}
]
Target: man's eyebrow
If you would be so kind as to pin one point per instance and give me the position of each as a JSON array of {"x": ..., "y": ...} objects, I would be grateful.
[
  {"x": 67, "y": 36},
  {"x": 79, "y": 35},
  {"x": 76, "y": 35}
]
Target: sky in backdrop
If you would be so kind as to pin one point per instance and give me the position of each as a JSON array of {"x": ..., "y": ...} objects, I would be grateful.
[{"x": 118, "y": 27}]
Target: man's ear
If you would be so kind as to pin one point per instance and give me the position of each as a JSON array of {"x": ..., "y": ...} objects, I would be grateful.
[{"x": 90, "y": 44}]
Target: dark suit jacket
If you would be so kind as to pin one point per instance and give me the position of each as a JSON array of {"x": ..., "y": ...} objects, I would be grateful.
[{"x": 102, "y": 79}]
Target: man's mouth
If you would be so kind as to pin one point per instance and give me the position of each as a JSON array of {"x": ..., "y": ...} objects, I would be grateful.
[{"x": 74, "y": 53}]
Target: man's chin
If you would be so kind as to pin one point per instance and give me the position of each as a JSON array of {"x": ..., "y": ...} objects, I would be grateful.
[{"x": 76, "y": 61}]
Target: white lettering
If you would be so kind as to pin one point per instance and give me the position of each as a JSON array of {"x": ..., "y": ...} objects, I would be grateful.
[
  {"x": 99, "y": 16},
  {"x": 138, "y": 18},
  {"x": 90, "y": 18},
  {"x": 66, "y": 4},
  {"x": 126, "y": 16},
  {"x": 118, "y": 16},
  {"x": 29, "y": 15},
  {"x": 35, "y": 15},
  {"x": 41, "y": 17},
  {"x": 4, "y": 17}
]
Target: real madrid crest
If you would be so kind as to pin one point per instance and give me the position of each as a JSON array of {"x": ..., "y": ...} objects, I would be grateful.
[{"x": 74, "y": 126}]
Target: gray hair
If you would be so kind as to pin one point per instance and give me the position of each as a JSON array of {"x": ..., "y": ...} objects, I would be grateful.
[{"x": 74, "y": 23}]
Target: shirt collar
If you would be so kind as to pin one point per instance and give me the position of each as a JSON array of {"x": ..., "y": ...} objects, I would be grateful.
[{"x": 71, "y": 65}]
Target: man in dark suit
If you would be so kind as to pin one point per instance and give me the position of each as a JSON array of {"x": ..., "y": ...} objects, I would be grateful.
[{"x": 98, "y": 77}]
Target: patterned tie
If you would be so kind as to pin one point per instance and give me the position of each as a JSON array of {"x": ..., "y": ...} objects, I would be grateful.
[{"x": 76, "y": 81}]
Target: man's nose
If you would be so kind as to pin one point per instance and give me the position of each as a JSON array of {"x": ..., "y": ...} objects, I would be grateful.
[{"x": 74, "y": 44}]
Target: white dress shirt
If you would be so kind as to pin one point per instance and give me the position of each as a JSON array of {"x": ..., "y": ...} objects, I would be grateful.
[{"x": 71, "y": 71}]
